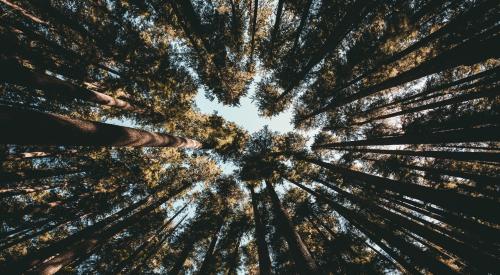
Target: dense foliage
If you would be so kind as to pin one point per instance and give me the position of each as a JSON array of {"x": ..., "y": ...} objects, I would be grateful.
[{"x": 401, "y": 175}]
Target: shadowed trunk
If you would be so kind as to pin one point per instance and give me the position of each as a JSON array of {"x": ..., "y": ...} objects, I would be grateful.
[
  {"x": 303, "y": 260},
  {"x": 207, "y": 260},
  {"x": 474, "y": 206},
  {"x": 30, "y": 128},
  {"x": 487, "y": 133},
  {"x": 260, "y": 237}
]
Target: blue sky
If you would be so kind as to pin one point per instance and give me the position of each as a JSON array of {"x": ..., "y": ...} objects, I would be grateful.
[{"x": 246, "y": 115}]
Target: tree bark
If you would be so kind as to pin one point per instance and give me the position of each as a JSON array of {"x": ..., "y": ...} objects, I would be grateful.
[
  {"x": 35, "y": 128},
  {"x": 304, "y": 262},
  {"x": 54, "y": 87},
  {"x": 260, "y": 237}
]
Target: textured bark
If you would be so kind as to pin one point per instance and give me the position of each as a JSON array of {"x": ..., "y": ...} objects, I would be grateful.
[
  {"x": 262, "y": 249},
  {"x": 54, "y": 87},
  {"x": 35, "y": 128},
  {"x": 304, "y": 262}
]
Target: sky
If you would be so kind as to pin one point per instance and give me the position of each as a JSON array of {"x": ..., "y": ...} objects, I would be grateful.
[{"x": 246, "y": 115}]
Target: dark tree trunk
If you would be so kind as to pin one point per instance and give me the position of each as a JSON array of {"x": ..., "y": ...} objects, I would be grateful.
[
  {"x": 461, "y": 156},
  {"x": 30, "y": 128},
  {"x": 300, "y": 28},
  {"x": 473, "y": 51},
  {"x": 474, "y": 206},
  {"x": 353, "y": 18},
  {"x": 459, "y": 244},
  {"x": 145, "y": 244},
  {"x": 304, "y": 262},
  {"x": 376, "y": 232},
  {"x": 154, "y": 249},
  {"x": 488, "y": 133},
  {"x": 488, "y": 93},
  {"x": 10, "y": 177},
  {"x": 96, "y": 238},
  {"x": 277, "y": 22},
  {"x": 207, "y": 260},
  {"x": 260, "y": 237}
]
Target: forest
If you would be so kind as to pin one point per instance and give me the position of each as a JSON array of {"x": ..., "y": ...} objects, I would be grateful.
[{"x": 109, "y": 166}]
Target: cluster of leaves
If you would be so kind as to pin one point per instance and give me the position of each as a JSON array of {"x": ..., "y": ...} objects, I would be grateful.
[{"x": 401, "y": 176}]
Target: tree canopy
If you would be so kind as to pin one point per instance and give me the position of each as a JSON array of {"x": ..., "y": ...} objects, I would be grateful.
[{"x": 108, "y": 166}]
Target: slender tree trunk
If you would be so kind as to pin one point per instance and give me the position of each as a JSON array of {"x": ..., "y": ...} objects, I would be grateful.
[
  {"x": 39, "y": 154},
  {"x": 488, "y": 93},
  {"x": 207, "y": 260},
  {"x": 96, "y": 238},
  {"x": 473, "y": 51},
  {"x": 300, "y": 28},
  {"x": 304, "y": 262},
  {"x": 145, "y": 244},
  {"x": 482, "y": 134},
  {"x": 9, "y": 177},
  {"x": 418, "y": 257},
  {"x": 260, "y": 237},
  {"x": 254, "y": 29},
  {"x": 30, "y": 128},
  {"x": 457, "y": 245},
  {"x": 277, "y": 22},
  {"x": 37, "y": 257},
  {"x": 353, "y": 18},
  {"x": 154, "y": 249},
  {"x": 16, "y": 74},
  {"x": 461, "y": 156},
  {"x": 474, "y": 206}
]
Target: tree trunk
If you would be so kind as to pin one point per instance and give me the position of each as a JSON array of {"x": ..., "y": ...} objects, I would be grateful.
[
  {"x": 450, "y": 200},
  {"x": 460, "y": 156},
  {"x": 487, "y": 133},
  {"x": 304, "y": 262},
  {"x": 378, "y": 232},
  {"x": 35, "y": 258},
  {"x": 145, "y": 244},
  {"x": 354, "y": 16},
  {"x": 300, "y": 28},
  {"x": 473, "y": 51},
  {"x": 30, "y": 128},
  {"x": 10, "y": 177},
  {"x": 429, "y": 231},
  {"x": 154, "y": 249},
  {"x": 277, "y": 22},
  {"x": 260, "y": 237},
  {"x": 97, "y": 237},
  {"x": 54, "y": 87},
  {"x": 207, "y": 260},
  {"x": 488, "y": 93}
]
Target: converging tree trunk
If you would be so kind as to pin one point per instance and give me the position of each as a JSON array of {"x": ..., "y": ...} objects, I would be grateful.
[
  {"x": 35, "y": 128},
  {"x": 260, "y": 237},
  {"x": 304, "y": 262}
]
